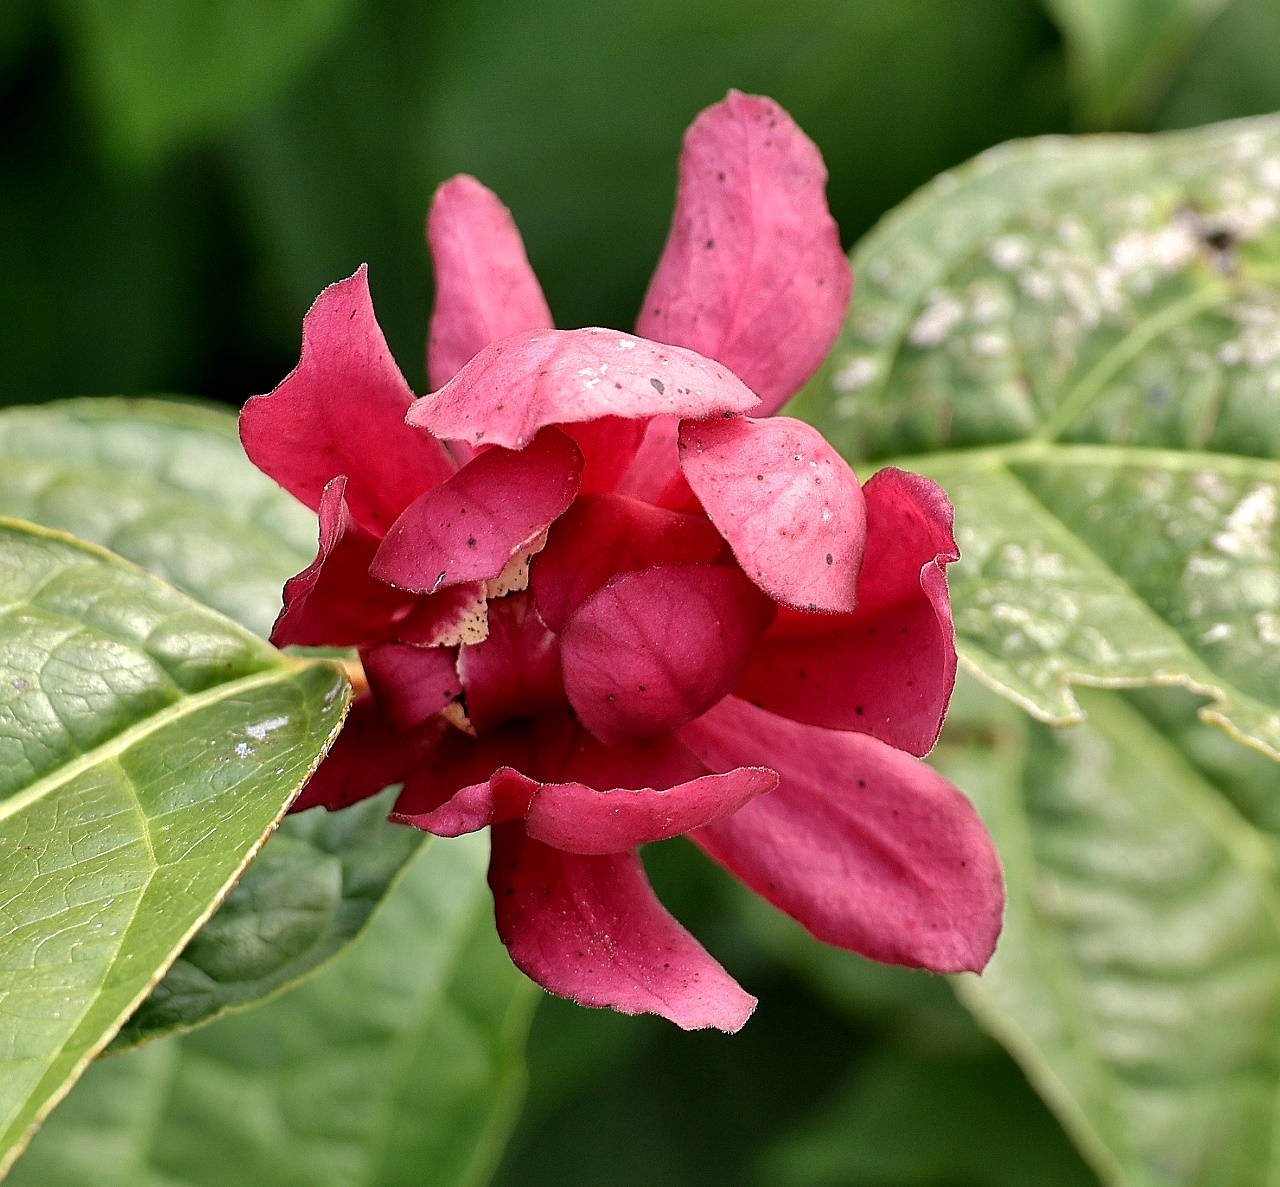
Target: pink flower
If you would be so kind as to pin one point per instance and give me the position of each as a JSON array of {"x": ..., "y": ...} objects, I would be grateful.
[{"x": 617, "y": 608}]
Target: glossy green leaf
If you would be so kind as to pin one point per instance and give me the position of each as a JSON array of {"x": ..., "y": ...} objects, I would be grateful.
[
  {"x": 1081, "y": 341},
  {"x": 306, "y": 895},
  {"x": 400, "y": 1064},
  {"x": 147, "y": 746},
  {"x": 1138, "y": 976},
  {"x": 1124, "y": 52},
  {"x": 168, "y": 485},
  {"x": 159, "y": 74}
]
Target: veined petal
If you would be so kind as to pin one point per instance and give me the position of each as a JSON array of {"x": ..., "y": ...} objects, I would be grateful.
[
  {"x": 485, "y": 288},
  {"x": 652, "y": 650},
  {"x": 341, "y": 410},
  {"x": 366, "y": 757},
  {"x": 515, "y": 671},
  {"x": 867, "y": 847},
  {"x": 786, "y": 502},
  {"x": 469, "y": 527},
  {"x": 334, "y": 602},
  {"x": 605, "y": 534},
  {"x": 410, "y": 684},
  {"x": 514, "y": 387},
  {"x": 888, "y": 668},
  {"x": 753, "y": 273},
  {"x": 592, "y": 930}
]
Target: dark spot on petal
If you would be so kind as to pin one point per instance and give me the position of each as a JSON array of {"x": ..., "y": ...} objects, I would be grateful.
[
  {"x": 720, "y": 176},
  {"x": 657, "y": 386},
  {"x": 812, "y": 605},
  {"x": 800, "y": 675},
  {"x": 618, "y": 386},
  {"x": 471, "y": 541},
  {"x": 858, "y": 710},
  {"x": 710, "y": 243},
  {"x": 829, "y": 560},
  {"x": 862, "y": 783}
]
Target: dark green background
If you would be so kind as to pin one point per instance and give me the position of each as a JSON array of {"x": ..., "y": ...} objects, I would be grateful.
[{"x": 173, "y": 196}]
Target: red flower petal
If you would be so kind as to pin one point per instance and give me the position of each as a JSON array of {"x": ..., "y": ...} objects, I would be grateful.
[
  {"x": 574, "y": 792},
  {"x": 469, "y": 527},
  {"x": 753, "y": 274},
  {"x": 341, "y": 410},
  {"x": 366, "y": 757},
  {"x": 514, "y": 387},
  {"x": 592, "y": 930},
  {"x": 888, "y": 668},
  {"x": 605, "y": 534},
  {"x": 786, "y": 502},
  {"x": 869, "y": 848},
  {"x": 654, "y": 473},
  {"x": 410, "y": 684},
  {"x": 652, "y": 650},
  {"x": 334, "y": 602},
  {"x": 485, "y": 288},
  {"x": 582, "y": 819},
  {"x": 515, "y": 672},
  {"x": 608, "y": 448}
]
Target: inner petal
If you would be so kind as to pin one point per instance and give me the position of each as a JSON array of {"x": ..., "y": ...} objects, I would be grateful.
[{"x": 651, "y": 650}]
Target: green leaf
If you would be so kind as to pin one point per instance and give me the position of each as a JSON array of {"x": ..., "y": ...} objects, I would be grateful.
[
  {"x": 1081, "y": 341},
  {"x": 148, "y": 745},
  {"x": 165, "y": 484},
  {"x": 168, "y": 485},
  {"x": 307, "y": 895},
  {"x": 1123, "y": 53},
  {"x": 1138, "y": 976},
  {"x": 160, "y": 74},
  {"x": 400, "y": 1064}
]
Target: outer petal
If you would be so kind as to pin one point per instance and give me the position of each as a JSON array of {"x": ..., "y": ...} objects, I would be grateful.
[
  {"x": 469, "y": 527},
  {"x": 888, "y": 668},
  {"x": 581, "y": 819},
  {"x": 366, "y": 758},
  {"x": 334, "y": 602},
  {"x": 591, "y": 929},
  {"x": 605, "y": 534},
  {"x": 485, "y": 288},
  {"x": 753, "y": 273},
  {"x": 410, "y": 684},
  {"x": 515, "y": 672},
  {"x": 786, "y": 502},
  {"x": 341, "y": 411},
  {"x": 652, "y": 650},
  {"x": 573, "y": 792},
  {"x": 514, "y": 387},
  {"x": 867, "y": 847}
]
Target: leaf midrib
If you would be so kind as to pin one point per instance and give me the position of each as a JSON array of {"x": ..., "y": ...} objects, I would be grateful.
[{"x": 117, "y": 745}]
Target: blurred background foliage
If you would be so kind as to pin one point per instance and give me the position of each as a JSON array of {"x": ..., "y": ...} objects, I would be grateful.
[{"x": 178, "y": 181}]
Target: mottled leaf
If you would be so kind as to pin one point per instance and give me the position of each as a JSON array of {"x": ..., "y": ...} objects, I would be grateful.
[
  {"x": 147, "y": 746},
  {"x": 1081, "y": 341},
  {"x": 1138, "y": 977},
  {"x": 400, "y": 1064}
]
